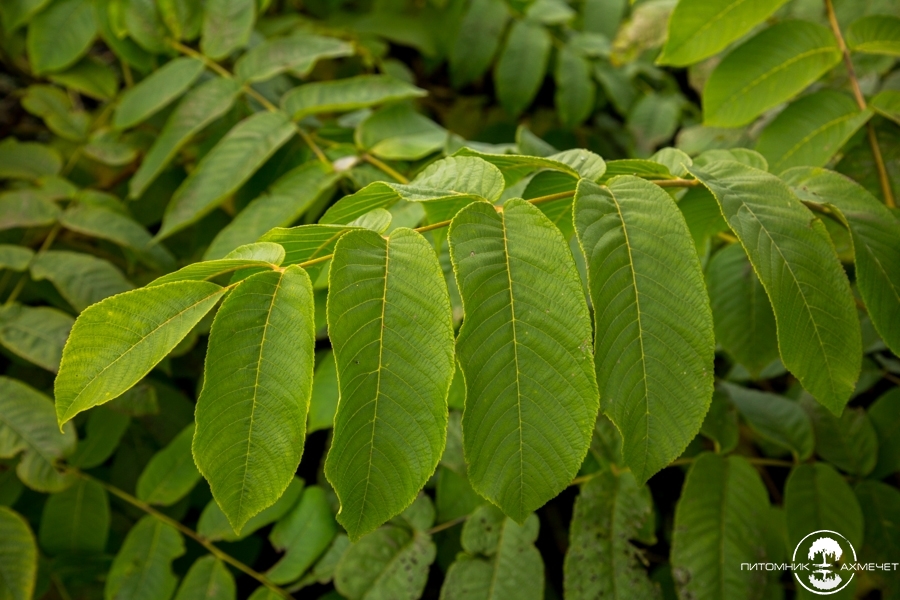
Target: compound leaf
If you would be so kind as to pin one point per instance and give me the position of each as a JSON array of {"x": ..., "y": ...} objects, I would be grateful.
[
  {"x": 766, "y": 70},
  {"x": 525, "y": 351},
  {"x": 18, "y": 556},
  {"x": 699, "y": 29},
  {"x": 744, "y": 322},
  {"x": 344, "y": 95},
  {"x": 601, "y": 561},
  {"x": 142, "y": 570},
  {"x": 227, "y": 166},
  {"x": 875, "y": 234},
  {"x": 76, "y": 519},
  {"x": 297, "y": 53},
  {"x": 251, "y": 413},
  {"x": 816, "y": 321},
  {"x": 718, "y": 523},
  {"x": 522, "y": 64},
  {"x": 200, "y": 107},
  {"x": 171, "y": 473},
  {"x": 154, "y": 93},
  {"x": 114, "y": 343},
  {"x": 654, "y": 331},
  {"x": 390, "y": 324}
]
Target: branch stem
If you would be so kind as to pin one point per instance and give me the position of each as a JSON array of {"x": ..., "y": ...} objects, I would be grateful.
[
  {"x": 123, "y": 495},
  {"x": 48, "y": 241},
  {"x": 385, "y": 168},
  {"x": 883, "y": 178}
]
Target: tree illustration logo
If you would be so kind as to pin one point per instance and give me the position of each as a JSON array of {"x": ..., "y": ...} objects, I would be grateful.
[{"x": 827, "y": 551}]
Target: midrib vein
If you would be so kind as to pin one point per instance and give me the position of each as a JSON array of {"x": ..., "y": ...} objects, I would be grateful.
[
  {"x": 512, "y": 310},
  {"x": 387, "y": 260}
]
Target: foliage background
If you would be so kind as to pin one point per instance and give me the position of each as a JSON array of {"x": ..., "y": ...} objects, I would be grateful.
[{"x": 91, "y": 91}]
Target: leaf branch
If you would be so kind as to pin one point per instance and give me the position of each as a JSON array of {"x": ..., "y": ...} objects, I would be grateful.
[
  {"x": 883, "y": 178},
  {"x": 227, "y": 558}
]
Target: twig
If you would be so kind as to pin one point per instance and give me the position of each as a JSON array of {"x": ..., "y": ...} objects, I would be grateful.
[
  {"x": 123, "y": 495},
  {"x": 48, "y": 241},
  {"x": 883, "y": 178},
  {"x": 447, "y": 524},
  {"x": 384, "y": 167}
]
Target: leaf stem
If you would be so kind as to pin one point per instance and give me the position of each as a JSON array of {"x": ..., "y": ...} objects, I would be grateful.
[
  {"x": 447, "y": 524},
  {"x": 48, "y": 241},
  {"x": 249, "y": 91},
  {"x": 883, "y": 178},
  {"x": 385, "y": 168},
  {"x": 676, "y": 182},
  {"x": 123, "y": 495}
]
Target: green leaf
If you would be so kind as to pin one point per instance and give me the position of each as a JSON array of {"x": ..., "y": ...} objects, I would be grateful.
[
  {"x": 501, "y": 561},
  {"x": 344, "y": 95},
  {"x": 303, "y": 534},
  {"x": 875, "y": 34},
  {"x": 449, "y": 183},
  {"x": 90, "y": 77},
  {"x": 55, "y": 108},
  {"x": 282, "y": 204},
  {"x": 744, "y": 322},
  {"x": 297, "y": 53},
  {"x": 81, "y": 279},
  {"x": 887, "y": 103},
  {"x": 114, "y": 343},
  {"x": 26, "y": 208},
  {"x": 27, "y": 426},
  {"x": 770, "y": 68},
  {"x": 525, "y": 435},
  {"x": 37, "y": 334},
  {"x": 885, "y": 417},
  {"x": 391, "y": 562},
  {"x": 575, "y": 90},
  {"x": 144, "y": 24},
  {"x": 182, "y": 17},
  {"x": 875, "y": 235},
  {"x": 601, "y": 562},
  {"x": 307, "y": 243},
  {"x": 816, "y": 497},
  {"x": 476, "y": 43},
  {"x": 15, "y": 258},
  {"x": 207, "y": 579},
  {"x": 105, "y": 428},
  {"x": 105, "y": 218},
  {"x": 653, "y": 119},
  {"x": 391, "y": 328},
  {"x": 76, "y": 519},
  {"x": 699, "y": 29},
  {"x": 18, "y": 556},
  {"x": 142, "y": 570},
  {"x": 818, "y": 329},
  {"x": 719, "y": 523},
  {"x": 154, "y": 93},
  {"x": 811, "y": 130},
  {"x": 324, "y": 400},
  {"x": 398, "y": 132},
  {"x": 109, "y": 16},
  {"x": 514, "y": 167},
  {"x": 214, "y": 525},
  {"x": 880, "y": 504},
  {"x": 849, "y": 442},
  {"x": 227, "y": 25},
  {"x": 200, "y": 107},
  {"x": 171, "y": 474},
  {"x": 266, "y": 255},
  {"x": 227, "y": 166},
  {"x": 16, "y": 13},
  {"x": 520, "y": 69},
  {"x": 646, "y": 169},
  {"x": 27, "y": 160},
  {"x": 60, "y": 34},
  {"x": 721, "y": 423},
  {"x": 654, "y": 333},
  {"x": 776, "y": 419},
  {"x": 251, "y": 413}
]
